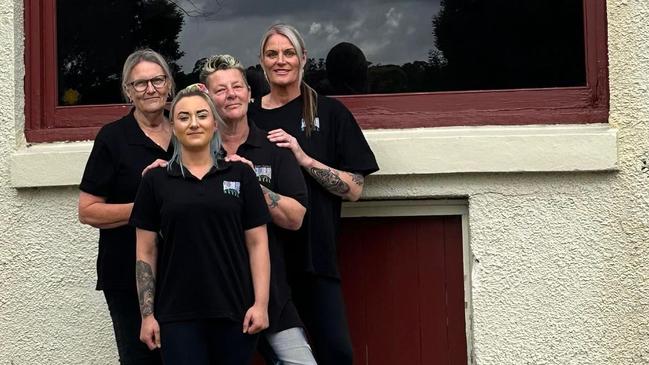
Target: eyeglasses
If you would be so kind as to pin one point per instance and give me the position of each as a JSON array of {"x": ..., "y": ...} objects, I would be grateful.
[{"x": 141, "y": 85}]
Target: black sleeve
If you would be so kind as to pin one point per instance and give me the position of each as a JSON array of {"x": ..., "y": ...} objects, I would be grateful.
[
  {"x": 255, "y": 211},
  {"x": 353, "y": 153},
  {"x": 288, "y": 177},
  {"x": 99, "y": 173},
  {"x": 146, "y": 212}
]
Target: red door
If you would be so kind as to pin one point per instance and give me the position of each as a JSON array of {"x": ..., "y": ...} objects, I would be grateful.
[{"x": 403, "y": 283}]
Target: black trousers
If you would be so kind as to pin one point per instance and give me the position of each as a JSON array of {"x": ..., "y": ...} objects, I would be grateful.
[
  {"x": 125, "y": 312},
  {"x": 206, "y": 342},
  {"x": 319, "y": 301}
]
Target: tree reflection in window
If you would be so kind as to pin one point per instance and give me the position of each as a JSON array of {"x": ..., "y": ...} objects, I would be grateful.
[
  {"x": 369, "y": 46},
  {"x": 95, "y": 37}
]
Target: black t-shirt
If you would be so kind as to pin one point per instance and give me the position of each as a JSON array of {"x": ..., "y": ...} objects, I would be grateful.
[
  {"x": 276, "y": 169},
  {"x": 203, "y": 268},
  {"x": 338, "y": 142},
  {"x": 114, "y": 170}
]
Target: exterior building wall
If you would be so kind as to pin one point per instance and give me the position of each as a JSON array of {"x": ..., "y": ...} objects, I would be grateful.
[
  {"x": 559, "y": 258},
  {"x": 49, "y": 312}
]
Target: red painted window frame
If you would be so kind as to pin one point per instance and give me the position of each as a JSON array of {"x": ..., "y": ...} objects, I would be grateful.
[{"x": 46, "y": 122}]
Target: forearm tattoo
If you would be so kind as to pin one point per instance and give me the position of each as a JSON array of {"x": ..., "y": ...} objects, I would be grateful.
[
  {"x": 273, "y": 196},
  {"x": 330, "y": 180},
  {"x": 358, "y": 179},
  {"x": 145, "y": 287}
]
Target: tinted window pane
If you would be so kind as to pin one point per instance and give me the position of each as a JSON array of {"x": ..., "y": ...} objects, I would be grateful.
[{"x": 370, "y": 46}]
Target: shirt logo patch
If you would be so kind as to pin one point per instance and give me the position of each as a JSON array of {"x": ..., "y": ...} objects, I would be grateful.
[
  {"x": 264, "y": 173},
  {"x": 231, "y": 188},
  {"x": 316, "y": 125}
]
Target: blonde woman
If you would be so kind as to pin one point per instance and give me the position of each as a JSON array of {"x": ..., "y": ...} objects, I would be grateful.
[
  {"x": 334, "y": 156},
  {"x": 204, "y": 287}
]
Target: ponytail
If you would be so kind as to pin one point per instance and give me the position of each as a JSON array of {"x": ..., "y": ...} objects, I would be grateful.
[{"x": 310, "y": 108}]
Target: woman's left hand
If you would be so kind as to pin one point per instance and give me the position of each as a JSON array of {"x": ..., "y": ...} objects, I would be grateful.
[
  {"x": 256, "y": 319},
  {"x": 285, "y": 140},
  {"x": 157, "y": 163}
]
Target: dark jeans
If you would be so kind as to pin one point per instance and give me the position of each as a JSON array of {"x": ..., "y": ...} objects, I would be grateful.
[
  {"x": 125, "y": 313},
  {"x": 205, "y": 342},
  {"x": 319, "y": 300}
]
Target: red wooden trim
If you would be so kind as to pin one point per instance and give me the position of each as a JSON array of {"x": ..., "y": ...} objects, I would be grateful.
[
  {"x": 523, "y": 106},
  {"x": 61, "y": 134},
  {"x": 456, "y": 329},
  {"x": 45, "y": 121},
  {"x": 33, "y": 73},
  {"x": 433, "y": 289},
  {"x": 50, "y": 89},
  {"x": 89, "y": 115},
  {"x": 597, "y": 14}
]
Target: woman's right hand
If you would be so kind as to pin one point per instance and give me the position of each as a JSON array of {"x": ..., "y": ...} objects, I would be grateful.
[
  {"x": 256, "y": 319},
  {"x": 237, "y": 158},
  {"x": 150, "y": 332},
  {"x": 157, "y": 163}
]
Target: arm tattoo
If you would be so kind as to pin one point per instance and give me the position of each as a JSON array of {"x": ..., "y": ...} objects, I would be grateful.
[
  {"x": 358, "y": 179},
  {"x": 273, "y": 196},
  {"x": 330, "y": 180},
  {"x": 145, "y": 287}
]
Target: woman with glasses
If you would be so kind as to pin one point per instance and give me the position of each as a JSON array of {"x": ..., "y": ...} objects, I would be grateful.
[
  {"x": 110, "y": 181},
  {"x": 204, "y": 288}
]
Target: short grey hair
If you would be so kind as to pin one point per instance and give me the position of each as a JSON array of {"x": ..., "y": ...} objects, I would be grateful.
[
  {"x": 221, "y": 62},
  {"x": 149, "y": 55}
]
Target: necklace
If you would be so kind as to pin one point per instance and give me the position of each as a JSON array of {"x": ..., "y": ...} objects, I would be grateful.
[
  {"x": 163, "y": 126},
  {"x": 159, "y": 135}
]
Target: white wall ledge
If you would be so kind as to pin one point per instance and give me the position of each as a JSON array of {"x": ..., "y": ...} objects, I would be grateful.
[
  {"x": 486, "y": 149},
  {"x": 538, "y": 148},
  {"x": 49, "y": 164}
]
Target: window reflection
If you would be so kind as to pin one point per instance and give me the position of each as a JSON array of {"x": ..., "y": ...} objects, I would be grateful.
[{"x": 354, "y": 47}]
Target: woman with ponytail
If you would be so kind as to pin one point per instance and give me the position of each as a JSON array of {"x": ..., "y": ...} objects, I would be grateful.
[{"x": 334, "y": 156}]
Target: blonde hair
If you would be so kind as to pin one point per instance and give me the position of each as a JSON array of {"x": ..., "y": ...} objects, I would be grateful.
[
  {"x": 215, "y": 144},
  {"x": 309, "y": 95},
  {"x": 221, "y": 62}
]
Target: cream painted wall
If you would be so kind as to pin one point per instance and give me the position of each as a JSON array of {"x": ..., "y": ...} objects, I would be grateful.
[
  {"x": 49, "y": 312},
  {"x": 560, "y": 273}
]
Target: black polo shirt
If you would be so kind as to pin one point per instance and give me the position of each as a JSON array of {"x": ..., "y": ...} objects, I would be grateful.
[
  {"x": 336, "y": 141},
  {"x": 203, "y": 268},
  {"x": 114, "y": 170},
  {"x": 277, "y": 169}
]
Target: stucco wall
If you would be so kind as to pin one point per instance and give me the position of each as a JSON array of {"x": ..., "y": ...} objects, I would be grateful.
[
  {"x": 560, "y": 273},
  {"x": 49, "y": 312}
]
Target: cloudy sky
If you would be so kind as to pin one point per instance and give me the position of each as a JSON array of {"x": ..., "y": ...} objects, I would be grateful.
[{"x": 388, "y": 32}]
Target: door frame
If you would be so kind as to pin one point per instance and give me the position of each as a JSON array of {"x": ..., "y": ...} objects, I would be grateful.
[{"x": 427, "y": 207}]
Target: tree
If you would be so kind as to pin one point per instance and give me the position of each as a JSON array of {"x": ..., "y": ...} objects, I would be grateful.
[
  {"x": 95, "y": 37},
  {"x": 499, "y": 44}
]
